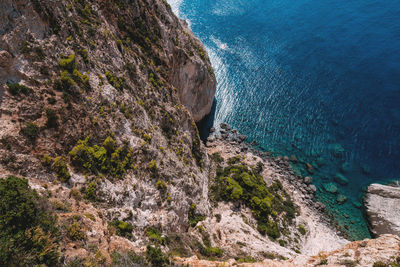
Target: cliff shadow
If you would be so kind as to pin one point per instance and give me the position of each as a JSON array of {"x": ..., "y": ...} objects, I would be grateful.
[{"x": 207, "y": 122}]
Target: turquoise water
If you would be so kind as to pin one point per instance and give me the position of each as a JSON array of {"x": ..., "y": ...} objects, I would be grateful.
[{"x": 319, "y": 80}]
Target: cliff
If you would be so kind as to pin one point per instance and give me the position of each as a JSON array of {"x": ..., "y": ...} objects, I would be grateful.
[
  {"x": 101, "y": 160},
  {"x": 98, "y": 107},
  {"x": 382, "y": 204}
]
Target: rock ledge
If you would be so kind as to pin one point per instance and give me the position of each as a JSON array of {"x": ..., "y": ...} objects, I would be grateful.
[{"x": 382, "y": 204}]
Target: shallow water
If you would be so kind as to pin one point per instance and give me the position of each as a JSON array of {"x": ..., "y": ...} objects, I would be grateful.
[{"x": 316, "y": 79}]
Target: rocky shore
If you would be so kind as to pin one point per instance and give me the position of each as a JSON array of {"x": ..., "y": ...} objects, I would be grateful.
[
  {"x": 321, "y": 235},
  {"x": 382, "y": 204}
]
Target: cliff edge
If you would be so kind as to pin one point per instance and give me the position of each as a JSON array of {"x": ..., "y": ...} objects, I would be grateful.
[{"x": 382, "y": 204}]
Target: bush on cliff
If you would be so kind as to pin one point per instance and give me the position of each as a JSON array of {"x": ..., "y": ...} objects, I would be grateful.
[
  {"x": 108, "y": 158},
  {"x": 28, "y": 232},
  {"x": 269, "y": 204}
]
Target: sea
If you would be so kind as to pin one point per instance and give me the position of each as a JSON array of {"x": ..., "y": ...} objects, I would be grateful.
[{"x": 317, "y": 81}]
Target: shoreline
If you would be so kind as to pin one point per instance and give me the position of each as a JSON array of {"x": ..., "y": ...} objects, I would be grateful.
[
  {"x": 323, "y": 235},
  {"x": 228, "y": 134}
]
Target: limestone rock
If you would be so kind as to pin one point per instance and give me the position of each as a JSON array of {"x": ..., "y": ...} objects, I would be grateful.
[{"x": 382, "y": 204}]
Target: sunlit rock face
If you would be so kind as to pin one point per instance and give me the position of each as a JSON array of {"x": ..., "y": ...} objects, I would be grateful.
[{"x": 382, "y": 205}]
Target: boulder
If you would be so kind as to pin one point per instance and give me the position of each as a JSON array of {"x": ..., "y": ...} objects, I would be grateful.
[
  {"x": 225, "y": 126},
  {"x": 341, "y": 179},
  {"x": 331, "y": 188},
  {"x": 307, "y": 180},
  {"x": 382, "y": 205},
  {"x": 242, "y": 138},
  {"x": 312, "y": 189}
]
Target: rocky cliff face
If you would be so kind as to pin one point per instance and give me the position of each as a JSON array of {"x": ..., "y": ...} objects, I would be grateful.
[
  {"x": 382, "y": 204},
  {"x": 383, "y": 251},
  {"x": 98, "y": 107},
  {"x": 99, "y": 101}
]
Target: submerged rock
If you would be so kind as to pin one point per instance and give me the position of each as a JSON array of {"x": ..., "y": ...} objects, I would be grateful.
[
  {"x": 331, "y": 188},
  {"x": 357, "y": 204},
  {"x": 338, "y": 150},
  {"x": 382, "y": 205},
  {"x": 341, "y": 179},
  {"x": 340, "y": 199},
  {"x": 310, "y": 168},
  {"x": 365, "y": 169},
  {"x": 345, "y": 167}
]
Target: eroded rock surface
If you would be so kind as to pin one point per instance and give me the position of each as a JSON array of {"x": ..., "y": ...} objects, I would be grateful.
[{"x": 382, "y": 204}]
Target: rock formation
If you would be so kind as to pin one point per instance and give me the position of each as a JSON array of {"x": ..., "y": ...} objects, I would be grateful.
[
  {"x": 382, "y": 204},
  {"x": 100, "y": 158}
]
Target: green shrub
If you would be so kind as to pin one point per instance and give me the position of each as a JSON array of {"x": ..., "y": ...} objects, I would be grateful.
[
  {"x": 52, "y": 118},
  {"x": 194, "y": 217},
  {"x": 51, "y": 100},
  {"x": 31, "y": 131},
  {"x": 74, "y": 230},
  {"x": 153, "y": 166},
  {"x": 269, "y": 204},
  {"x": 302, "y": 230},
  {"x": 39, "y": 52},
  {"x": 28, "y": 230},
  {"x": 84, "y": 54},
  {"x": 217, "y": 157},
  {"x": 108, "y": 158},
  {"x": 91, "y": 191},
  {"x": 161, "y": 186},
  {"x": 218, "y": 217},
  {"x": 323, "y": 262},
  {"x": 61, "y": 169},
  {"x": 348, "y": 263},
  {"x": 68, "y": 64},
  {"x": 16, "y": 89},
  {"x": 116, "y": 82},
  {"x": 65, "y": 83},
  {"x": 246, "y": 259},
  {"x": 380, "y": 264},
  {"x": 122, "y": 228},
  {"x": 213, "y": 252},
  {"x": 71, "y": 77},
  {"x": 154, "y": 235},
  {"x": 155, "y": 257}
]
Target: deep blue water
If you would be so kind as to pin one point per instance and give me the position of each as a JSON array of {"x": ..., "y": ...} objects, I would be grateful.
[{"x": 316, "y": 79}]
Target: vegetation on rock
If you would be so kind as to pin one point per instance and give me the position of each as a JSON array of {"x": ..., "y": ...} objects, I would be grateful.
[
  {"x": 270, "y": 205},
  {"x": 28, "y": 230},
  {"x": 109, "y": 158},
  {"x": 194, "y": 217}
]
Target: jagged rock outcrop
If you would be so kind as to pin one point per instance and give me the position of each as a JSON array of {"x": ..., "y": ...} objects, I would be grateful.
[
  {"x": 382, "y": 204},
  {"x": 383, "y": 251},
  {"x": 195, "y": 80}
]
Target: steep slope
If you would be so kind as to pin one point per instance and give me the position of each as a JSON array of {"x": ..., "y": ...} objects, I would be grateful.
[
  {"x": 98, "y": 107},
  {"x": 99, "y": 101}
]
